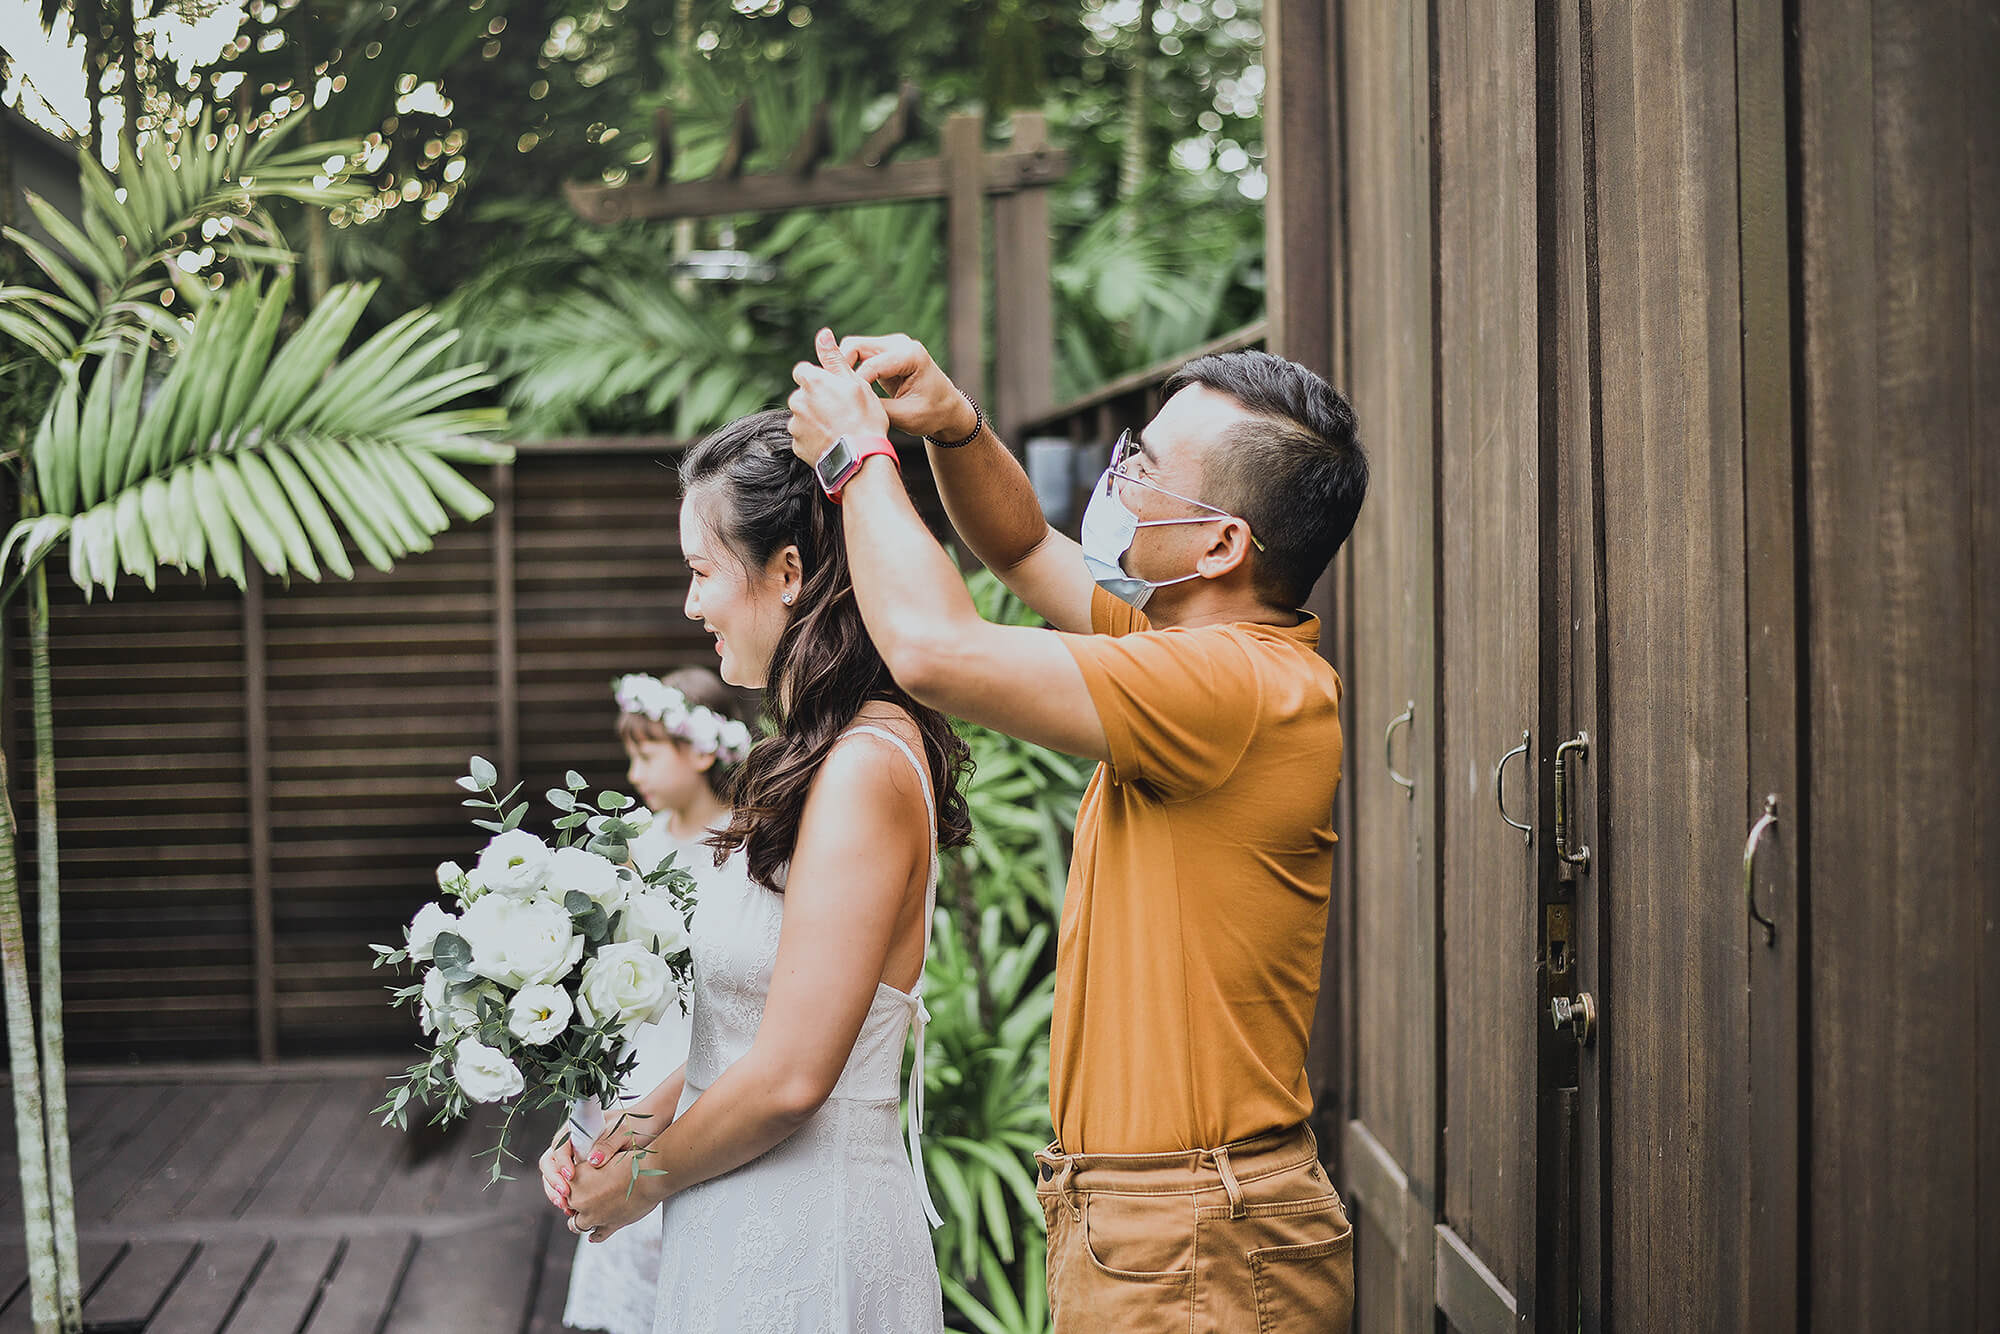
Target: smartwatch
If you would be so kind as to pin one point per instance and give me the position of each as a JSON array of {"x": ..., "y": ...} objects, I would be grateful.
[{"x": 845, "y": 458}]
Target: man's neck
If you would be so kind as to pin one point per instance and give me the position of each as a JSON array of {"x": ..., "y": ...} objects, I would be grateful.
[{"x": 1205, "y": 607}]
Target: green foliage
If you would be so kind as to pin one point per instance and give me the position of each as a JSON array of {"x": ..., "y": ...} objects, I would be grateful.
[
  {"x": 170, "y": 441},
  {"x": 990, "y": 987},
  {"x": 108, "y": 271},
  {"x": 471, "y": 121}
]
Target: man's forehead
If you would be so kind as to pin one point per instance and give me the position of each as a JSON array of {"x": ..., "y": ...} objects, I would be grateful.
[{"x": 1186, "y": 424}]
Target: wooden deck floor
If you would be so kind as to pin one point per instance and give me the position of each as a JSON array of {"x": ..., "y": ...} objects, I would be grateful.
[{"x": 271, "y": 1202}]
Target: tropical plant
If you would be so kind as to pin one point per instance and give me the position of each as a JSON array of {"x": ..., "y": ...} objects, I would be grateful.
[
  {"x": 179, "y": 441},
  {"x": 990, "y": 986}
]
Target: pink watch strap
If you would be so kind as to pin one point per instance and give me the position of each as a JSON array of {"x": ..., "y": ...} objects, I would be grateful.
[{"x": 869, "y": 446}]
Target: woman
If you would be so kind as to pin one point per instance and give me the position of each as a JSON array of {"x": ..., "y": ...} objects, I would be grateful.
[
  {"x": 790, "y": 1202},
  {"x": 683, "y": 738}
]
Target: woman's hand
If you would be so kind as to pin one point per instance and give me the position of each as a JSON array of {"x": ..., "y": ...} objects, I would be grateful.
[
  {"x": 558, "y": 1167},
  {"x": 831, "y": 401},
  {"x": 604, "y": 1199}
]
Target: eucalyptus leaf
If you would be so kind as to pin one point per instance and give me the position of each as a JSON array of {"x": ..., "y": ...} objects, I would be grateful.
[{"x": 483, "y": 772}]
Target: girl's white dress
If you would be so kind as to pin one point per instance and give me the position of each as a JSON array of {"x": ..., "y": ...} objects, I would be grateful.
[
  {"x": 823, "y": 1234},
  {"x": 613, "y": 1283}
]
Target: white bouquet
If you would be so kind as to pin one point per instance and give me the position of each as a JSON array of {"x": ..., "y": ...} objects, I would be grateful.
[{"x": 540, "y": 961}]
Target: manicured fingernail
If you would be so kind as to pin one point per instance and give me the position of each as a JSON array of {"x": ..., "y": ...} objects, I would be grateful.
[{"x": 597, "y": 1160}]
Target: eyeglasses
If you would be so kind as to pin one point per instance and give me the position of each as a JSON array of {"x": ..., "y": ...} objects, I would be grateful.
[{"x": 1127, "y": 447}]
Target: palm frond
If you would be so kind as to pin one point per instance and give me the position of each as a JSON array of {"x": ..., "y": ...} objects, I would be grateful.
[
  {"x": 247, "y": 445},
  {"x": 107, "y": 267}
]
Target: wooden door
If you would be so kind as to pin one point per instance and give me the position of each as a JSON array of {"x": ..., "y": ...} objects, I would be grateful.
[
  {"x": 1391, "y": 1146},
  {"x": 1489, "y": 542},
  {"x": 1665, "y": 949},
  {"x": 1899, "y": 171}
]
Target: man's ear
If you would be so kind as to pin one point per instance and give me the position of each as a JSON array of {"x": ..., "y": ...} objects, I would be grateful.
[{"x": 1226, "y": 551}]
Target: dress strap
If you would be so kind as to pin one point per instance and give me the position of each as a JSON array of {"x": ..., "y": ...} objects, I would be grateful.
[{"x": 920, "y": 1015}]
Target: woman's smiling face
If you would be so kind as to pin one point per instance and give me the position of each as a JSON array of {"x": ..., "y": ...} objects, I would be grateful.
[{"x": 745, "y": 608}]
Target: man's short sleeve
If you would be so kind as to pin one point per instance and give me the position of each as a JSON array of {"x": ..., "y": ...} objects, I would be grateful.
[{"x": 1178, "y": 706}]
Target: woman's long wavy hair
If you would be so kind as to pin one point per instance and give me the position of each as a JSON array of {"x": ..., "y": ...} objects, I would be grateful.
[{"x": 825, "y": 666}]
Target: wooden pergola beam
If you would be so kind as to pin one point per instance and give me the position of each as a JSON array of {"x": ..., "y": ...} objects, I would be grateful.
[{"x": 926, "y": 178}]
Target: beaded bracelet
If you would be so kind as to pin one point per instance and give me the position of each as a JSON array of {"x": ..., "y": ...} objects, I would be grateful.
[{"x": 978, "y": 425}]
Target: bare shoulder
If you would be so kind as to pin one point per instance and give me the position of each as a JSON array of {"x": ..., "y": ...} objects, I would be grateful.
[{"x": 862, "y": 762}]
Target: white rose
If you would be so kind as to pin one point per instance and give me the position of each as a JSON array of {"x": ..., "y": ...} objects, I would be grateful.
[
  {"x": 431, "y": 919},
  {"x": 735, "y": 740},
  {"x": 517, "y": 944},
  {"x": 485, "y": 1073},
  {"x": 626, "y": 983},
  {"x": 447, "y": 1014},
  {"x": 539, "y": 1014},
  {"x": 515, "y": 863},
  {"x": 655, "y": 922},
  {"x": 586, "y": 873},
  {"x": 436, "y": 992}
]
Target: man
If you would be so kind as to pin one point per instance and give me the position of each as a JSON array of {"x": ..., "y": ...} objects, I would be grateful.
[{"x": 1183, "y": 1190}]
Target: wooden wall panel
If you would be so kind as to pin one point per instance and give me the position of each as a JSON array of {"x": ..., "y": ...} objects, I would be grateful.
[
  {"x": 377, "y": 691},
  {"x": 1489, "y": 548},
  {"x": 1673, "y": 737},
  {"x": 1897, "y": 136},
  {"x": 152, "y": 815},
  {"x": 1394, "y": 950},
  {"x": 599, "y": 591}
]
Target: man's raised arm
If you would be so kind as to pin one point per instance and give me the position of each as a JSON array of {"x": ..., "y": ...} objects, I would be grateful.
[{"x": 986, "y": 493}]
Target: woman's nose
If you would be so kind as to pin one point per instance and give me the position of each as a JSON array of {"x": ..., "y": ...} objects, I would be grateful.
[{"x": 692, "y": 607}]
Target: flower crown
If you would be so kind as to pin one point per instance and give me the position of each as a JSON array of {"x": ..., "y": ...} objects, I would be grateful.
[{"x": 700, "y": 726}]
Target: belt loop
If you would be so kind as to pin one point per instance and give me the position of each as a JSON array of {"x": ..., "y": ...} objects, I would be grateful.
[
  {"x": 1229, "y": 1182},
  {"x": 1066, "y": 1188}
]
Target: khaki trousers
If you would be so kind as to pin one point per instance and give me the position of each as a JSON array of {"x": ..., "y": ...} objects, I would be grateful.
[{"x": 1249, "y": 1236}]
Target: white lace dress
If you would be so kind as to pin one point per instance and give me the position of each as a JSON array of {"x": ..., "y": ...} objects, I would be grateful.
[
  {"x": 823, "y": 1234},
  {"x": 613, "y": 1283}
]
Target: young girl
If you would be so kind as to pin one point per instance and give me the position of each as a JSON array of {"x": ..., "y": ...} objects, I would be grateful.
[
  {"x": 683, "y": 738},
  {"x": 792, "y": 1203}
]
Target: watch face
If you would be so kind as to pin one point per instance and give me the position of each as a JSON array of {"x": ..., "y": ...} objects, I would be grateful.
[{"x": 833, "y": 465}]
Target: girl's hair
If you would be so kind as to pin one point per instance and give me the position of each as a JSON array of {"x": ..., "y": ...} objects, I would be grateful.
[
  {"x": 825, "y": 666},
  {"x": 701, "y": 687}
]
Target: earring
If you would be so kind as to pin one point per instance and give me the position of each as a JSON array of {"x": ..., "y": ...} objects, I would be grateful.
[{"x": 787, "y": 599}]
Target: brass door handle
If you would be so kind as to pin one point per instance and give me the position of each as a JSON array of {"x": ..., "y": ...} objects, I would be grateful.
[
  {"x": 1500, "y": 790},
  {"x": 1579, "y": 745},
  {"x": 1409, "y": 785},
  {"x": 1757, "y": 832}
]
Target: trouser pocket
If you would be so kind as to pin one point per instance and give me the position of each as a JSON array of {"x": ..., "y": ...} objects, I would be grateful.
[
  {"x": 1281, "y": 1266},
  {"x": 1122, "y": 1263}
]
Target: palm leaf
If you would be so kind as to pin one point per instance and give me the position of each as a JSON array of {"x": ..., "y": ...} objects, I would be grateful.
[{"x": 244, "y": 446}]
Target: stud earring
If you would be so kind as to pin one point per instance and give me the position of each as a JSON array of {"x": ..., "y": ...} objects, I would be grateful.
[{"x": 787, "y": 599}]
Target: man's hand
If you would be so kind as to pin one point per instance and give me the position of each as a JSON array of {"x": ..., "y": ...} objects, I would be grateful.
[
  {"x": 922, "y": 399},
  {"x": 831, "y": 401}
]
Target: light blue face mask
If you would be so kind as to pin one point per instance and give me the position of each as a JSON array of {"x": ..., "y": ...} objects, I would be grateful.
[{"x": 1108, "y": 530}]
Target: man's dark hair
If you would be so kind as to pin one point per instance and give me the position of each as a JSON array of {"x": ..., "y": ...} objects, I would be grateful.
[{"x": 1295, "y": 472}]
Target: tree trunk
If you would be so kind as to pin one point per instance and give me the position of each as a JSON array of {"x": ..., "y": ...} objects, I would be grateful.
[
  {"x": 1132, "y": 162},
  {"x": 127, "y": 52},
  {"x": 48, "y": 917},
  {"x": 91, "y": 20},
  {"x": 27, "y": 1080}
]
